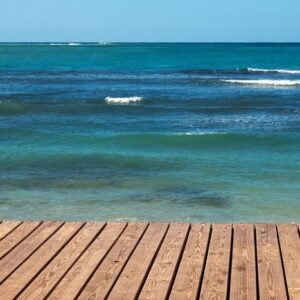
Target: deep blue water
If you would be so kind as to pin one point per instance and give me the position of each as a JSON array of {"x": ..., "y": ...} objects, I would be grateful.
[{"x": 191, "y": 132}]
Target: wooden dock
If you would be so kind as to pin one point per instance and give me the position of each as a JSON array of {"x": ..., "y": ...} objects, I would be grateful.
[{"x": 93, "y": 260}]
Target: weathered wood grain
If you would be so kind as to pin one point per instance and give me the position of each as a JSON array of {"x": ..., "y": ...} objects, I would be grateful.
[
  {"x": 19, "y": 254},
  {"x": 56, "y": 269},
  {"x": 216, "y": 273},
  {"x": 131, "y": 280},
  {"x": 270, "y": 272},
  {"x": 77, "y": 277},
  {"x": 7, "y": 226},
  {"x": 191, "y": 266},
  {"x": 163, "y": 270},
  {"x": 290, "y": 249},
  {"x": 17, "y": 236},
  {"x": 103, "y": 279},
  {"x": 243, "y": 270},
  {"x": 26, "y": 272}
]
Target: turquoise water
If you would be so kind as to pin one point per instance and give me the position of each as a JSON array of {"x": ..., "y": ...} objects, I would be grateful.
[{"x": 189, "y": 132}]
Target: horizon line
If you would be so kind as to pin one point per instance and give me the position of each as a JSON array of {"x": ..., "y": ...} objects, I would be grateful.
[{"x": 146, "y": 42}]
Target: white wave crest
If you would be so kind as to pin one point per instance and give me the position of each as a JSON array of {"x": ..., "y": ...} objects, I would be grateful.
[
  {"x": 57, "y": 44},
  {"x": 283, "y": 71},
  {"x": 264, "y": 82},
  {"x": 201, "y": 133},
  {"x": 122, "y": 100},
  {"x": 73, "y": 44}
]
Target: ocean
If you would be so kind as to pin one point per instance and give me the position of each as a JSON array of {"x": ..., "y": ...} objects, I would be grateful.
[{"x": 159, "y": 131}]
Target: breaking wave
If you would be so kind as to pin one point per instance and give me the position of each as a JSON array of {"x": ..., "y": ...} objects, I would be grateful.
[
  {"x": 73, "y": 44},
  {"x": 267, "y": 82},
  {"x": 283, "y": 71},
  {"x": 122, "y": 100},
  {"x": 64, "y": 44},
  {"x": 57, "y": 44},
  {"x": 238, "y": 71}
]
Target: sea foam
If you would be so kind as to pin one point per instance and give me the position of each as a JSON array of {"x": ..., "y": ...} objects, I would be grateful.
[
  {"x": 122, "y": 100},
  {"x": 283, "y": 71},
  {"x": 278, "y": 82},
  {"x": 57, "y": 44},
  {"x": 64, "y": 44},
  {"x": 201, "y": 133}
]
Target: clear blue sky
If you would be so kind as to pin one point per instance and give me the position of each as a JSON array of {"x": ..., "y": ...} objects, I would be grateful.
[{"x": 150, "y": 20}]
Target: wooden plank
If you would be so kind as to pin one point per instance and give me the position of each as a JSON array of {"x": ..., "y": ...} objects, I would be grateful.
[
  {"x": 19, "y": 254},
  {"x": 105, "y": 276},
  {"x": 75, "y": 280},
  {"x": 26, "y": 272},
  {"x": 7, "y": 227},
  {"x": 243, "y": 272},
  {"x": 290, "y": 249},
  {"x": 50, "y": 276},
  {"x": 164, "y": 267},
  {"x": 270, "y": 273},
  {"x": 135, "y": 272},
  {"x": 191, "y": 266},
  {"x": 215, "y": 281},
  {"x": 17, "y": 236},
  {"x": 66, "y": 261}
]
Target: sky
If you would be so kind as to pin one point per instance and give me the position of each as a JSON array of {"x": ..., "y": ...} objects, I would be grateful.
[{"x": 150, "y": 20}]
